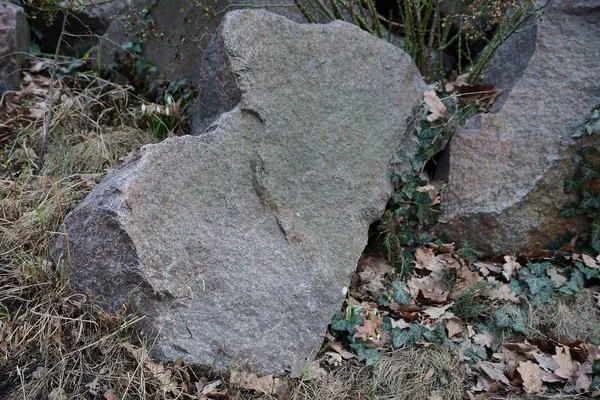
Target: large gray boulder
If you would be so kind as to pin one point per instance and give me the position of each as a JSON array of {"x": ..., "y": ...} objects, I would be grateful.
[
  {"x": 236, "y": 243},
  {"x": 14, "y": 43},
  {"x": 505, "y": 170}
]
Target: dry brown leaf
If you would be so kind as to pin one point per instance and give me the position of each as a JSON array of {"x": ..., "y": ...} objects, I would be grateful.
[
  {"x": 402, "y": 324},
  {"x": 465, "y": 278},
  {"x": 436, "y": 312},
  {"x": 454, "y": 326},
  {"x": 250, "y": 381},
  {"x": 346, "y": 355},
  {"x": 510, "y": 267},
  {"x": 436, "y": 107},
  {"x": 557, "y": 278},
  {"x": 550, "y": 377},
  {"x": 370, "y": 327},
  {"x": 565, "y": 364},
  {"x": 584, "y": 378},
  {"x": 424, "y": 257},
  {"x": 428, "y": 289},
  {"x": 546, "y": 362},
  {"x": 483, "y": 339},
  {"x": 530, "y": 373},
  {"x": 484, "y": 383},
  {"x": 589, "y": 261},
  {"x": 501, "y": 292},
  {"x": 494, "y": 370}
]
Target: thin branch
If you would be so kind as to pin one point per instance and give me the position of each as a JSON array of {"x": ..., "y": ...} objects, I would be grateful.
[{"x": 49, "y": 103}]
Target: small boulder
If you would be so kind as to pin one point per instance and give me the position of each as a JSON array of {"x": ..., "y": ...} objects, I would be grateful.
[
  {"x": 14, "y": 43},
  {"x": 236, "y": 243},
  {"x": 505, "y": 170}
]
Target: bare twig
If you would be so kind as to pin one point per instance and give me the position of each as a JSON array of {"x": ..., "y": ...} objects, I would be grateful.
[{"x": 48, "y": 116}]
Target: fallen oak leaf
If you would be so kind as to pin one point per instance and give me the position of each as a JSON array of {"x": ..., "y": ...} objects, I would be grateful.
[
  {"x": 546, "y": 362},
  {"x": 251, "y": 381},
  {"x": 345, "y": 354},
  {"x": 565, "y": 364},
  {"x": 530, "y": 373},
  {"x": 454, "y": 326},
  {"x": 494, "y": 371},
  {"x": 436, "y": 312},
  {"x": 436, "y": 107}
]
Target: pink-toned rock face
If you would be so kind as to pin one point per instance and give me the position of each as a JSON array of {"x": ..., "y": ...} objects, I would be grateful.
[
  {"x": 14, "y": 41},
  {"x": 505, "y": 170}
]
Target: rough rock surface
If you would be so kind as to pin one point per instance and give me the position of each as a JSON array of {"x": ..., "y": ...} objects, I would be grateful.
[
  {"x": 86, "y": 21},
  {"x": 505, "y": 170},
  {"x": 236, "y": 243},
  {"x": 14, "y": 41},
  {"x": 180, "y": 32}
]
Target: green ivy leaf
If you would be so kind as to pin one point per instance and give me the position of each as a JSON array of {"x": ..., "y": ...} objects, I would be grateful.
[
  {"x": 369, "y": 356},
  {"x": 384, "y": 300},
  {"x": 539, "y": 269},
  {"x": 338, "y": 322},
  {"x": 596, "y": 366},
  {"x": 589, "y": 273},
  {"x": 416, "y": 331},
  {"x": 520, "y": 328},
  {"x": 400, "y": 296},
  {"x": 570, "y": 185},
  {"x": 589, "y": 151},
  {"x": 595, "y": 235},
  {"x": 400, "y": 338},
  {"x": 537, "y": 284},
  {"x": 386, "y": 324},
  {"x": 589, "y": 128},
  {"x": 574, "y": 284},
  {"x": 589, "y": 200},
  {"x": 569, "y": 211},
  {"x": 578, "y": 133},
  {"x": 475, "y": 352},
  {"x": 516, "y": 287},
  {"x": 588, "y": 172},
  {"x": 540, "y": 298},
  {"x": 437, "y": 336},
  {"x": 501, "y": 319}
]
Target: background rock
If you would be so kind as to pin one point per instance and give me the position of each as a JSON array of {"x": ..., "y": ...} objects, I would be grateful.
[
  {"x": 236, "y": 243},
  {"x": 179, "y": 32},
  {"x": 14, "y": 40},
  {"x": 505, "y": 170}
]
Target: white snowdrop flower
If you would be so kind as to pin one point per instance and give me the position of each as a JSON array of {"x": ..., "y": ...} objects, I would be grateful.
[
  {"x": 167, "y": 111},
  {"x": 143, "y": 108},
  {"x": 169, "y": 100},
  {"x": 345, "y": 290},
  {"x": 158, "y": 110}
]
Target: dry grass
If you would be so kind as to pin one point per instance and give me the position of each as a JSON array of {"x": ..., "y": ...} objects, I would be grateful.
[
  {"x": 53, "y": 343},
  {"x": 415, "y": 374},
  {"x": 420, "y": 373},
  {"x": 576, "y": 317},
  {"x": 351, "y": 381}
]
